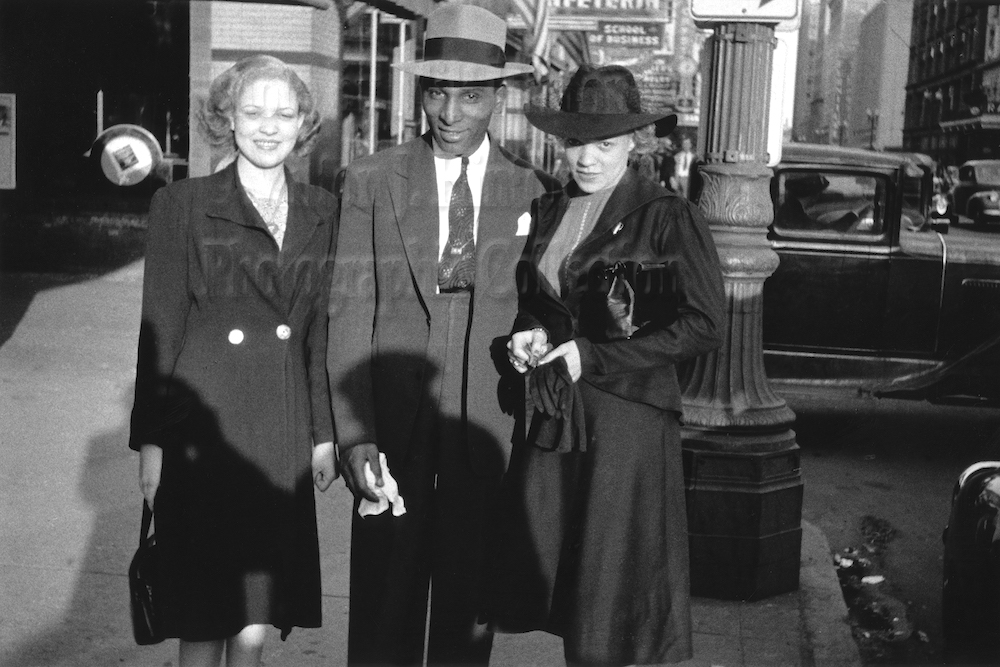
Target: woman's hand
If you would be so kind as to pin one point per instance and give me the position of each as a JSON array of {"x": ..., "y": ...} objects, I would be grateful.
[
  {"x": 353, "y": 464},
  {"x": 525, "y": 348},
  {"x": 323, "y": 468},
  {"x": 571, "y": 353},
  {"x": 150, "y": 465}
]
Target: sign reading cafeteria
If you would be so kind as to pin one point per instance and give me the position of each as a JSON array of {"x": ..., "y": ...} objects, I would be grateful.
[
  {"x": 627, "y": 35},
  {"x": 627, "y": 10}
]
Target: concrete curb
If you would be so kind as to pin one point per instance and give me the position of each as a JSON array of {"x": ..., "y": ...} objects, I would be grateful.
[{"x": 825, "y": 628}]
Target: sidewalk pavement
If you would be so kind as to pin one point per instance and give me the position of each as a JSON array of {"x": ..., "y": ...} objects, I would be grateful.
[{"x": 71, "y": 507}]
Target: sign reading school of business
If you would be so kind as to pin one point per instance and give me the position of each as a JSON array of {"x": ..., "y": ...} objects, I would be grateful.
[
  {"x": 609, "y": 10},
  {"x": 632, "y": 35}
]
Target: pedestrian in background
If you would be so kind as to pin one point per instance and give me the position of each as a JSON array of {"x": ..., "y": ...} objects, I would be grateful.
[
  {"x": 423, "y": 295},
  {"x": 683, "y": 162},
  {"x": 620, "y": 282},
  {"x": 667, "y": 150},
  {"x": 232, "y": 416}
]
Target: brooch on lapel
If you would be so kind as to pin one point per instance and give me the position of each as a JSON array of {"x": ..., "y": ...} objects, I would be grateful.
[
  {"x": 617, "y": 228},
  {"x": 523, "y": 224}
]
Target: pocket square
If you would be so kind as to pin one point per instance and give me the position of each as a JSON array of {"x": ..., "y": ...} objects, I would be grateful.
[{"x": 523, "y": 224}]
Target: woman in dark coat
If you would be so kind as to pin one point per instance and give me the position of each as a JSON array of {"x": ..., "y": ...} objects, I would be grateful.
[
  {"x": 620, "y": 282},
  {"x": 232, "y": 412}
]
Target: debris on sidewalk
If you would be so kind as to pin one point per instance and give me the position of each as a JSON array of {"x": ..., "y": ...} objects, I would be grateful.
[{"x": 879, "y": 621}]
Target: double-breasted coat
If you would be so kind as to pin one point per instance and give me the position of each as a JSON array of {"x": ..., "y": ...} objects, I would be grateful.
[
  {"x": 593, "y": 543},
  {"x": 390, "y": 332},
  {"x": 231, "y": 384}
]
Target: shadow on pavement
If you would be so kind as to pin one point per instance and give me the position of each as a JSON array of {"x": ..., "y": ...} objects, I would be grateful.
[{"x": 95, "y": 620}]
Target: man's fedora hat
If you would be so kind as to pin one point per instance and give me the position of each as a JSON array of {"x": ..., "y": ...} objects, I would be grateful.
[
  {"x": 599, "y": 102},
  {"x": 464, "y": 43}
]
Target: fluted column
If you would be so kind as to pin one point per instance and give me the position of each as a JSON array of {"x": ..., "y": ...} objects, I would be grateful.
[{"x": 741, "y": 459}]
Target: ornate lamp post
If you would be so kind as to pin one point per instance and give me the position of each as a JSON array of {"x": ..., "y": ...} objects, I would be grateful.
[{"x": 741, "y": 459}]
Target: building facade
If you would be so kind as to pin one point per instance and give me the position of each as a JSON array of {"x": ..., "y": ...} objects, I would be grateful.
[
  {"x": 952, "y": 87},
  {"x": 830, "y": 59},
  {"x": 878, "y": 87}
]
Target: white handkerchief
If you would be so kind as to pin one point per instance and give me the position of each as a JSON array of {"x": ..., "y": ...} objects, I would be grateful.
[
  {"x": 523, "y": 224},
  {"x": 388, "y": 493}
]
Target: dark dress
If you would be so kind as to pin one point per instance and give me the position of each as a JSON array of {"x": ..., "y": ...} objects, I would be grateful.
[
  {"x": 592, "y": 544},
  {"x": 231, "y": 384}
]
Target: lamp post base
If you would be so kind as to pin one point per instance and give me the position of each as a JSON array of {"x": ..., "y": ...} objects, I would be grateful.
[{"x": 744, "y": 506}]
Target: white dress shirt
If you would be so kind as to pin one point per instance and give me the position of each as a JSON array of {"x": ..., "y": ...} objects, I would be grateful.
[
  {"x": 447, "y": 171},
  {"x": 682, "y": 163}
]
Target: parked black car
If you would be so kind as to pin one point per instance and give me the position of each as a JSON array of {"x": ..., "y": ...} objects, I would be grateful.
[
  {"x": 869, "y": 290},
  {"x": 976, "y": 194},
  {"x": 970, "y": 593}
]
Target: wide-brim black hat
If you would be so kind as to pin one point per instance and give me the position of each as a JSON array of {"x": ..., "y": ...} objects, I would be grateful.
[{"x": 599, "y": 102}]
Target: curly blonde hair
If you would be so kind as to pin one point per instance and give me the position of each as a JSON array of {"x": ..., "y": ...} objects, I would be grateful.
[
  {"x": 645, "y": 140},
  {"x": 215, "y": 115}
]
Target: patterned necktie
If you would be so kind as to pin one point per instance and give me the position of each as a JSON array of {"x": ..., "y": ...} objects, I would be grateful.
[{"x": 457, "y": 269}]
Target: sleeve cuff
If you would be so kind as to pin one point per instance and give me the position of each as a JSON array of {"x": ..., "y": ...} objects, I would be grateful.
[{"x": 588, "y": 359}]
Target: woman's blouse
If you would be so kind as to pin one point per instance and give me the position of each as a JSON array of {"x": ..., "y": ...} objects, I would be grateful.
[
  {"x": 580, "y": 219},
  {"x": 274, "y": 213}
]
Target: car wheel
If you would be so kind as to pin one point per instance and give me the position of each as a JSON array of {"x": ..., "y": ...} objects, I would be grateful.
[{"x": 976, "y": 213}]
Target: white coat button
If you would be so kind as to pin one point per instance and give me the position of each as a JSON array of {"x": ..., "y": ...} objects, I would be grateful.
[
  {"x": 235, "y": 336},
  {"x": 283, "y": 331}
]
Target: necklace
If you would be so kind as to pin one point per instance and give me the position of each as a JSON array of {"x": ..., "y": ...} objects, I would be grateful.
[
  {"x": 274, "y": 212},
  {"x": 564, "y": 268}
]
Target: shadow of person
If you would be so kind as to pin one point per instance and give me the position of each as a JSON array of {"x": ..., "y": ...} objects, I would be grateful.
[
  {"x": 222, "y": 501},
  {"x": 448, "y": 470}
]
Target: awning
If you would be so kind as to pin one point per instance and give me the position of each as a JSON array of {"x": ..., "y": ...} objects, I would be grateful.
[
  {"x": 318, "y": 4},
  {"x": 987, "y": 121},
  {"x": 404, "y": 9}
]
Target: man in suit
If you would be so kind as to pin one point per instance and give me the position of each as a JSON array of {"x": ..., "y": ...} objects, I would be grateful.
[
  {"x": 423, "y": 299},
  {"x": 683, "y": 161}
]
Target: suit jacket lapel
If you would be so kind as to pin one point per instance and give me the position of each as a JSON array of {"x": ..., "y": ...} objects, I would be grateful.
[
  {"x": 497, "y": 245},
  {"x": 413, "y": 192}
]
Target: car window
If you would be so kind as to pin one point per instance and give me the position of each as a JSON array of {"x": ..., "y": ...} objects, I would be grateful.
[
  {"x": 830, "y": 204},
  {"x": 988, "y": 174}
]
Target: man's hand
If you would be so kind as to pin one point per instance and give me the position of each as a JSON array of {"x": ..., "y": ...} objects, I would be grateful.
[
  {"x": 525, "y": 348},
  {"x": 571, "y": 353},
  {"x": 353, "y": 464},
  {"x": 324, "y": 470},
  {"x": 150, "y": 465}
]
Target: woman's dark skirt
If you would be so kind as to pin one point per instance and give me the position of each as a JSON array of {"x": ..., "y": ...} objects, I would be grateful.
[{"x": 592, "y": 546}]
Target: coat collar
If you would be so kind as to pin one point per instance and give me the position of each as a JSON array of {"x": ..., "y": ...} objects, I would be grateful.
[
  {"x": 632, "y": 193},
  {"x": 228, "y": 201}
]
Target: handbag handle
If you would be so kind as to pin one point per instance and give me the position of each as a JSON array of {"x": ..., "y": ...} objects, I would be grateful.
[{"x": 147, "y": 519}]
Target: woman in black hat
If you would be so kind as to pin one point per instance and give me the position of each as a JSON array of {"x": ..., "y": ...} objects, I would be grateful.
[{"x": 620, "y": 281}]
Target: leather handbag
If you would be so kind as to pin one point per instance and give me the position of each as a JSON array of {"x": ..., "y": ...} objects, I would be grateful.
[
  {"x": 624, "y": 297},
  {"x": 143, "y": 580}
]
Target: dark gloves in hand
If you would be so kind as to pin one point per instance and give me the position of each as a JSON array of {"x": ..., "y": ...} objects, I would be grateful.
[
  {"x": 549, "y": 386},
  {"x": 558, "y": 424}
]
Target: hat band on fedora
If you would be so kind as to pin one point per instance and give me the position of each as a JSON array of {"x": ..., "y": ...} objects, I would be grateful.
[{"x": 467, "y": 50}]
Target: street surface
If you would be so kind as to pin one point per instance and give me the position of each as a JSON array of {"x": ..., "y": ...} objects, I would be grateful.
[
  {"x": 69, "y": 496},
  {"x": 894, "y": 460},
  {"x": 71, "y": 504}
]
